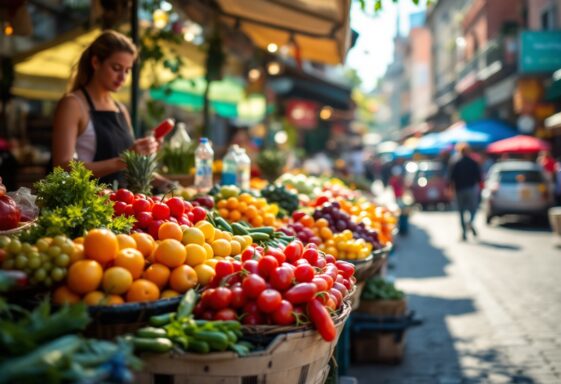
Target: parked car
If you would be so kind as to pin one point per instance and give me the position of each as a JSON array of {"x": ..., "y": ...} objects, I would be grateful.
[
  {"x": 516, "y": 187},
  {"x": 428, "y": 184}
]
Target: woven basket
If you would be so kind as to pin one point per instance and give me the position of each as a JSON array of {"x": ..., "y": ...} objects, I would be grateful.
[
  {"x": 293, "y": 357},
  {"x": 15, "y": 231},
  {"x": 361, "y": 267},
  {"x": 110, "y": 321}
]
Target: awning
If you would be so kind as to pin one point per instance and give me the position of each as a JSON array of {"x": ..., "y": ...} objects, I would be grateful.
[
  {"x": 319, "y": 28},
  {"x": 521, "y": 144},
  {"x": 44, "y": 72}
]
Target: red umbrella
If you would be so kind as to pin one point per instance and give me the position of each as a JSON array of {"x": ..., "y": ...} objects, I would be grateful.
[{"x": 518, "y": 144}]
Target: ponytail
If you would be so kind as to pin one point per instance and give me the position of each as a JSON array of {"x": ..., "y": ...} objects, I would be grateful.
[{"x": 106, "y": 44}]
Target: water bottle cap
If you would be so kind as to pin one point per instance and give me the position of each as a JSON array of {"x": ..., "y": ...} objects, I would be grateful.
[{"x": 203, "y": 140}]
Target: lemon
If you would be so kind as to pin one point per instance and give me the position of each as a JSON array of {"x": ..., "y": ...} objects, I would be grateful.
[
  {"x": 207, "y": 229},
  {"x": 236, "y": 247},
  {"x": 209, "y": 251},
  {"x": 196, "y": 254},
  {"x": 221, "y": 247},
  {"x": 193, "y": 235}
]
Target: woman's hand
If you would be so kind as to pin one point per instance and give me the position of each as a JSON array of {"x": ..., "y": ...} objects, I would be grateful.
[{"x": 145, "y": 146}]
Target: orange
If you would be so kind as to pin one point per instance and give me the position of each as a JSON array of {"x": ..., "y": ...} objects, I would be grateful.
[
  {"x": 235, "y": 215},
  {"x": 143, "y": 290},
  {"x": 251, "y": 212},
  {"x": 242, "y": 207},
  {"x": 168, "y": 293},
  {"x": 183, "y": 278},
  {"x": 196, "y": 254},
  {"x": 221, "y": 247},
  {"x": 79, "y": 240},
  {"x": 94, "y": 298},
  {"x": 212, "y": 262},
  {"x": 170, "y": 230},
  {"x": 232, "y": 203},
  {"x": 158, "y": 274},
  {"x": 246, "y": 197},
  {"x": 321, "y": 223},
  {"x": 307, "y": 221},
  {"x": 221, "y": 204},
  {"x": 268, "y": 219},
  {"x": 209, "y": 251},
  {"x": 63, "y": 295},
  {"x": 126, "y": 241},
  {"x": 101, "y": 245},
  {"x": 78, "y": 253},
  {"x": 116, "y": 280},
  {"x": 113, "y": 300},
  {"x": 171, "y": 253},
  {"x": 325, "y": 233},
  {"x": 193, "y": 235},
  {"x": 207, "y": 229},
  {"x": 132, "y": 260},
  {"x": 84, "y": 276},
  {"x": 144, "y": 243},
  {"x": 223, "y": 212},
  {"x": 256, "y": 221},
  {"x": 205, "y": 273}
]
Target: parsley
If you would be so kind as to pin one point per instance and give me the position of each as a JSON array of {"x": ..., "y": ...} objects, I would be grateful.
[{"x": 72, "y": 203}]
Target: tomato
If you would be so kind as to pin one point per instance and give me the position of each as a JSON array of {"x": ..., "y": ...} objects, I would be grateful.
[
  {"x": 252, "y": 266},
  {"x": 346, "y": 268},
  {"x": 141, "y": 205},
  {"x": 184, "y": 220},
  {"x": 281, "y": 278},
  {"x": 302, "y": 261},
  {"x": 237, "y": 265},
  {"x": 253, "y": 285},
  {"x": 223, "y": 268},
  {"x": 113, "y": 196},
  {"x": 320, "y": 283},
  {"x": 199, "y": 214},
  {"x": 311, "y": 255},
  {"x": 250, "y": 253},
  {"x": 119, "y": 208},
  {"x": 188, "y": 207},
  {"x": 176, "y": 207},
  {"x": 205, "y": 297},
  {"x": 125, "y": 196},
  {"x": 220, "y": 298},
  {"x": 337, "y": 295},
  {"x": 269, "y": 300},
  {"x": 160, "y": 211},
  {"x": 293, "y": 251},
  {"x": 321, "y": 320},
  {"x": 330, "y": 302},
  {"x": 253, "y": 319},
  {"x": 129, "y": 211},
  {"x": 341, "y": 288},
  {"x": 327, "y": 279},
  {"x": 153, "y": 228},
  {"x": 297, "y": 215},
  {"x": 304, "y": 273},
  {"x": 207, "y": 315},
  {"x": 330, "y": 259},
  {"x": 277, "y": 254},
  {"x": 321, "y": 263},
  {"x": 226, "y": 314},
  {"x": 301, "y": 293},
  {"x": 321, "y": 200},
  {"x": 284, "y": 314},
  {"x": 143, "y": 219},
  {"x": 314, "y": 240},
  {"x": 266, "y": 265},
  {"x": 332, "y": 271},
  {"x": 251, "y": 308},
  {"x": 199, "y": 309},
  {"x": 238, "y": 297}
]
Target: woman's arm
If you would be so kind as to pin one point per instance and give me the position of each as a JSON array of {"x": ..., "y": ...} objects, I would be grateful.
[{"x": 65, "y": 133}]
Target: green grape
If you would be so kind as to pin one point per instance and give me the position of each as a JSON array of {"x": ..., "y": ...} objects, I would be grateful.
[
  {"x": 68, "y": 247},
  {"x": 43, "y": 244},
  {"x": 4, "y": 241},
  {"x": 48, "y": 265},
  {"x": 44, "y": 257},
  {"x": 33, "y": 253},
  {"x": 34, "y": 262},
  {"x": 21, "y": 261},
  {"x": 48, "y": 281},
  {"x": 62, "y": 260},
  {"x": 8, "y": 264},
  {"x": 40, "y": 274},
  {"x": 54, "y": 251},
  {"x": 57, "y": 274},
  {"x": 26, "y": 247},
  {"x": 14, "y": 246},
  {"x": 59, "y": 240}
]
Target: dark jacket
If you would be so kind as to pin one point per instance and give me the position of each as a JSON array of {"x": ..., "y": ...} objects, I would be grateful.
[{"x": 464, "y": 173}]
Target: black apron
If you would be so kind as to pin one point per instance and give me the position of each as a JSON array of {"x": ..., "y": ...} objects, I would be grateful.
[{"x": 113, "y": 136}]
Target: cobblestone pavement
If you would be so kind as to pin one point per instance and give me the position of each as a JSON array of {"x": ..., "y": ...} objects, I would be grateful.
[{"x": 491, "y": 306}]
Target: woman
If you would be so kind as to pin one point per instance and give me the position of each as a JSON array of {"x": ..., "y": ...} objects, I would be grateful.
[{"x": 89, "y": 125}]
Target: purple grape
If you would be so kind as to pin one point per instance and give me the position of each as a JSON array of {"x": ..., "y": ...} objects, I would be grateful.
[
  {"x": 335, "y": 204},
  {"x": 340, "y": 225}
]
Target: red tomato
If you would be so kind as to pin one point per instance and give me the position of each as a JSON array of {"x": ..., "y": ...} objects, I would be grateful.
[
  {"x": 253, "y": 285},
  {"x": 225, "y": 314},
  {"x": 250, "y": 253},
  {"x": 320, "y": 283},
  {"x": 188, "y": 207},
  {"x": 304, "y": 273},
  {"x": 153, "y": 228},
  {"x": 327, "y": 279},
  {"x": 346, "y": 268},
  {"x": 284, "y": 314},
  {"x": 223, "y": 268},
  {"x": 293, "y": 251},
  {"x": 205, "y": 297},
  {"x": 253, "y": 319},
  {"x": 321, "y": 263},
  {"x": 332, "y": 271},
  {"x": 238, "y": 298},
  {"x": 311, "y": 255},
  {"x": 330, "y": 259},
  {"x": 252, "y": 266},
  {"x": 113, "y": 196},
  {"x": 330, "y": 303},
  {"x": 341, "y": 288},
  {"x": 302, "y": 261},
  {"x": 237, "y": 265},
  {"x": 199, "y": 214},
  {"x": 208, "y": 315},
  {"x": 143, "y": 219},
  {"x": 129, "y": 211},
  {"x": 281, "y": 278},
  {"x": 337, "y": 295},
  {"x": 160, "y": 211},
  {"x": 141, "y": 205},
  {"x": 321, "y": 320},
  {"x": 277, "y": 254},
  {"x": 266, "y": 265},
  {"x": 199, "y": 309},
  {"x": 251, "y": 308},
  {"x": 125, "y": 196},
  {"x": 176, "y": 206},
  {"x": 301, "y": 293},
  {"x": 184, "y": 220},
  {"x": 297, "y": 215},
  {"x": 269, "y": 300},
  {"x": 119, "y": 208}
]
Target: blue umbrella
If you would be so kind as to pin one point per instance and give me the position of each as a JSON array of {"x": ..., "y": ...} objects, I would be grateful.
[
  {"x": 431, "y": 145},
  {"x": 403, "y": 152},
  {"x": 495, "y": 129},
  {"x": 463, "y": 135}
]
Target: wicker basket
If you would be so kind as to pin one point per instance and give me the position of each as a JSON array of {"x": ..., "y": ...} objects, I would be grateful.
[
  {"x": 293, "y": 357},
  {"x": 362, "y": 267},
  {"x": 15, "y": 231},
  {"x": 110, "y": 321}
]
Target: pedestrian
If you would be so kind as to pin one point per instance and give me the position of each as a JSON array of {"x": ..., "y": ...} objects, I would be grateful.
[
  {"x": 89, "y": 125},
  {"x": 547, "y": 162},
  {"x": 397, "y": 182},
  {"x": 465, "y": 178}
]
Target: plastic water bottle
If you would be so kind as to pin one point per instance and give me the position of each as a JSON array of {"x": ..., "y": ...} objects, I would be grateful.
[
  {"x": 230, "y": 167},
  {"x": 204, "y": 156},
  {"x": 244, "y": 169}
]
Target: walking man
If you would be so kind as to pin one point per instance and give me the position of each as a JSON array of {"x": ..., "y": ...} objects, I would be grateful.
[{"x": 465, "y": 178}]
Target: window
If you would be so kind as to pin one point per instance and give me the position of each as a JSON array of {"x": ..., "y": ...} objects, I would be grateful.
[
  {"x": 514, "y": 177},
  {"x": 549, "y": 17}
]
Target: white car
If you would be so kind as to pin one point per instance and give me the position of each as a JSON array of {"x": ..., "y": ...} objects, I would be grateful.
[{"x": 516, "y": 187}]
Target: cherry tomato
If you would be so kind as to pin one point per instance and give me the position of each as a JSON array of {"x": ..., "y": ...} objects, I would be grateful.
[
  {"x": 188, "y": 207},
  {"x": 348, "y": 269},
  {"x": 119, "y": 208},
  {"x": 302, "y": 261},
  {"x": 253, "y": 319},
  {"x": 341, "y": 288},
  {"x": 199, "y": 309},
  {"x": 332, "y": 271},
  {"x": 281, "y": 278},
  {"x": 160, "y": 211},
  {"x": 311, "y": 255},
  {"x": 223, "y": 268},
  {"x": 208, "y": 315},
  {"x": 251, "y": 308},
  {"x": 297, "y": 215},
  {"x": 330, "y": 259},
  {"x": 176, "y": 206},
  {"x": 250, "y": 253},
  {"x": 338, "y": 296},
  {"x": 225, "y": 314},
  {"x": 320, "y": 283},
  {"x": 253, "y": 285},
  {"x": 266, "y": 265},
  {"x": 321, "y": 320},
  {"x": 125, "y": 196},
  {"x": 327, "y": 279},
  {"x": 269, "y": 300},
  {"x": 284, "y": 314},
  {"x": 153, "y": 228},
  {"x": 330, "y": 302},
  {"x": 143, "y": 219},
  {"x": 205, "y": 297},
  {"x": 113, "y": 196},
  {"x": 304, "y": 273},
  {"x": 141, "y": 205},
  {"x": 252, "y": 266},
  {"x": 237, "y": 265},
  {"x": 277, "y": 254},
  {"x": 293, "y": 251},
  {"x": 129, "y": 210},
  {"x": 301, "y": 293},
  {"x": 238, "y": 298},
  {"x": 321, "y": 263},
  {"x": 199, "y": 214},
  {"x": 191, "y": 217},
  {"x": 184, "y": 220}
]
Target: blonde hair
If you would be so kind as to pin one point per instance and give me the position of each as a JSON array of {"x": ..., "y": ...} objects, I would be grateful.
[{"x": 106, "y": 44}]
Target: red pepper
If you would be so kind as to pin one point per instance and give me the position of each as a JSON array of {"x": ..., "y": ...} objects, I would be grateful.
[
  {"x": 164, "y": 128},
  {"x": 321, "y": 320}
]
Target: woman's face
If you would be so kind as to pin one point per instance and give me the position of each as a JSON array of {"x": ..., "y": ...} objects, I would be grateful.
[{"x": 113, "y": 71}]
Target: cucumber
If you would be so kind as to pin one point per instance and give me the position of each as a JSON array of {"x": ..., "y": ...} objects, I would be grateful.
[
  {"x": 239, "y": 229},
  {"x": 151, "y": 332},
  {"x": 161, "y": 320},
  {"x": 158, "y": 345},
  {"x": 267, "y": 230},
  {"x": 259, "y": 236},
  {"x": 223, "y": 224},
  {"x": 198, "y": 346},
  {"x": 216, "y": 340},
  {"x": 187, "y": 304}
]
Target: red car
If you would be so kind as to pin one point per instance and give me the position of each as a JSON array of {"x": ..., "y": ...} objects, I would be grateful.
[{"x": 428, "y": 184}]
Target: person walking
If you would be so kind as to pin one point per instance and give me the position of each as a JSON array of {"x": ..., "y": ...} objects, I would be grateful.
[{"x": 465, "y": 178}]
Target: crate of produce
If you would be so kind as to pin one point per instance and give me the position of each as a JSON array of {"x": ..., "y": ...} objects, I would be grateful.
[
  {"x": 381, "y": 298},
  {"x": 292, "y": 357}
]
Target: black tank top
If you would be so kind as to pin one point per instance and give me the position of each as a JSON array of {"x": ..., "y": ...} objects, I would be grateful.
[{"x": 113, "y": 136}]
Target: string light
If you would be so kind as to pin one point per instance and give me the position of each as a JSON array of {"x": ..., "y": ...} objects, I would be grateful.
[
  {"x": 254, "y": 74},
  {"x": 326, "y": 113},
  {"x": 272, "y": 47},
  {"x": 273, "y": 68},
  {"x": 8, "y": 29}
]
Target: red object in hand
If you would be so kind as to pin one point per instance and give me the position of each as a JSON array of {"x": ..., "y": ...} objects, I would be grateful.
[
  {"x": 10, "y": 214},
  {"x": 164, "y": 128}
]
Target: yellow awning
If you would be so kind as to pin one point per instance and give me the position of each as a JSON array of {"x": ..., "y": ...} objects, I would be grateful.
[
  {"x": 45, "y": 72},
  {"x": 320, "y": 28}
]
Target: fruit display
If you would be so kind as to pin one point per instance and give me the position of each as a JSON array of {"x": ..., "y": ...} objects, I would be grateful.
[
  {"x": 278, "y": 194},
  {"x": 305, "y": 185},
  {"x": 10, "y": 214},
  {"x": 235, "y": 207},
  {"x": 374, "y": 216},
  {"x": 139, "y": 171},
  {"x": 270, "y": 286}
]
